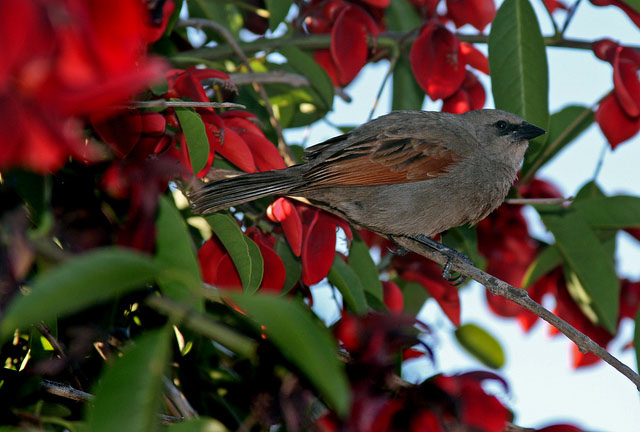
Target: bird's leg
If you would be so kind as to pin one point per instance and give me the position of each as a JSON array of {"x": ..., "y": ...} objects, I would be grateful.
[
  {"x": 451, "y": 254},
  {"x": 398, "y": 250}
]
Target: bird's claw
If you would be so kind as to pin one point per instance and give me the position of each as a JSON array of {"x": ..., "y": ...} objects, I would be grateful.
[
  {"x": 399, "y": 250},
  {"x": 455, "y": 280},
  {"x": 451, "y": 255}
]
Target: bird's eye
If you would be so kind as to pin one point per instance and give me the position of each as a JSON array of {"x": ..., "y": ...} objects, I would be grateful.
[{"x": 502, "y": 125}]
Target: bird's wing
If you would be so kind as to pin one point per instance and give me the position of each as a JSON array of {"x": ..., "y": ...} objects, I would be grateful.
[{"x": 382, "y": 160}]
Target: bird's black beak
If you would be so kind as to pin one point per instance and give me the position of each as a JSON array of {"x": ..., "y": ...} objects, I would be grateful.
[{"x": 528, "y": 131}]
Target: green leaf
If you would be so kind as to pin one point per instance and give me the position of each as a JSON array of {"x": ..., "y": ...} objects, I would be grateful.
[
  {"x": 401, "y": 16},
  {"x": 480, "y": 344},
  {"x": 518, "y": 63},
  {"x": 363, "y": 266},
  {"x": 546, "y": 261},
  {"x": 196, "y": 137},
  {"x": 241, "y": 248},
  {"x": 346, "y": 280},
  {"x": 304, "y": 64},
  {"x": 278, "y": 10},
  {"x": 225, "y": 13},
  {"x": 614, "y": 212},
  {"x": 174, "y": 16},
  {"x": 407, "y": 94},
  {"x": 201, "y": 424},
  {"x": 588, "y": 259},
  {"x": 129, "y": 393},
  {"x": 175, "y": 250},
  {"x": 78, "y": 283},
  {"x": 291, "y": 264},
  {"x": 565, "y": 126},
  {"x": 414, "y": 296},
  {"x": 634, "y": 4},
  {"x": 303, "y": 341},
  {"x": 464, "y": 239}
]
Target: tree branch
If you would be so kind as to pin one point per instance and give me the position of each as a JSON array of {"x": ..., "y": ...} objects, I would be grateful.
[
  {"x": 537, "y": 201},
  {"x": 162, "y": 103},
  {"x": 520, "y": 297},
  {"x": 323, "y": 41}
]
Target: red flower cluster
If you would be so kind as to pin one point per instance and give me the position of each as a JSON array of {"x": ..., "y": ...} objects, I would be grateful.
[
  {"x": 439, "y": 62},
  {"x": 218, "y": 269},
  {"x": 619, "y": 113},
  {"x": 311, "y": 233},
  {"x": 62, "y": 59},
  {"x": 350, "y": 26},
  {"x": 231, "y": 134},
  {"x": 375, "y": 343}
]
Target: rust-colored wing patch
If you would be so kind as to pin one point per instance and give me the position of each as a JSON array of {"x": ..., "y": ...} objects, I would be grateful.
[{"x": 382, "y": 161}]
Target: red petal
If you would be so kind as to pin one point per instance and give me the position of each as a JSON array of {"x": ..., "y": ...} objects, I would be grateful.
[
  {"x": 436, "y": 61},
  {"x": 240, "y": 124},
  {"x": 227, "y": 275},
  {"x": 274, "y": 273},
  {"x": 155, "y": 31},
  {"x": 446, "y": 295},
  {"x": 209, "y": 257},
  {"x": 605, "y": 49},
  {"x": 474, "y": 57},
  {"x": 265, "y": 154},
  {"x": 318, "y": 249},
  {"x": 478, "y": 13},
  {"x": 283, "y": 211},
  {"x": 324, "y": 59},
  {"x": 349, "y": 48},
  {"x": 458, "y": 103},
  {"x": 121, "y": 130},
  {"x": 411, "y": 353},
  {"x": 614, "y": 122},
  {"x": 560, "y": 428},
  {"x": 627, "y": 86},
  {"x": 233, "y": 148},
  {"x": 426, "y": 421},
  {"x": 378, "y": 3},
  {"x": 392, "y": 296}
]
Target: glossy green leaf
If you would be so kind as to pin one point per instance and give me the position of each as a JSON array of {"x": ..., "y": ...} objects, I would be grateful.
[
  {"x": 518, "y": 63},
  {"x": 414, "y": 296},
  {"x": 303, "y": 341},
  {"x": 304, "y": 64},
  {"x": 546, "y": 261},
  {"x": 291, "y": 264},
  {"x": 201, "y": 424},
  {"x": 346, "y": 280},
  {"x": 407, "y": 94},
  {"x": 129, "y": 392},
  {"x": 362, "y": 264},
  {"x": 480, "y": 344},
  {"x": 614, "y": 212},
  {"x": 196, "y": 137},
  {"x": 564, "y": 126},
  {"x": 78, "y": 283},
  {"x": 241, "y": 249},
  {"x": 175, "y": 250},
  {"x": 402, "y": 16},
  {"x": 635, "y": 4},
  {"x": 278, "y": 10},
  {"x": 588, "y": 259}
]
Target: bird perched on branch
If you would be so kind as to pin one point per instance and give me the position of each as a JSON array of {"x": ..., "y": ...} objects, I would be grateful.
[{"x": 407, "y": 173}]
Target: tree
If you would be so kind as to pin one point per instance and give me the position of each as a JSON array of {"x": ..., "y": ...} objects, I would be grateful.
[{"x": 127, "y": 310}]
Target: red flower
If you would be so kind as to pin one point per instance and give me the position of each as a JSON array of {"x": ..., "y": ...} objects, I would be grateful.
[
  {"x": 392, "y": 296},
  {"x": 415, "y": 268},
  {"x": 218, "y": 269},
  {"x": 619, "y": 114},
  {"x": 478, "y": 13},
  {"x": 476, "y": 409},
  {"x": 554, "y": 5},
  {"x": 631, "y": 12},
  {"x": 61, "y": 59},
  {"x": 283, "y": 211},
  {"x": 436, "y": 61},
  {"x": 470, "y": 96}
]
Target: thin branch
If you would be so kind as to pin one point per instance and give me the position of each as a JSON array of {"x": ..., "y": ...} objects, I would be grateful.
[
  {"x": 570, "y": 14},
  {"x": 392, "y": 66},
  {"x": 58, "y": 348},
  {"x": 272, "y": 77},
  {"x": 536, "y": 201},
  {"x": 323, "y": 41},
  {"x": 178, "y": 399},
  {"x": 239, "y": 51},
  {"x": 521, "y": 297},
  {"x": 161, "y": 103},
  {"x": 68, "y": 392}
]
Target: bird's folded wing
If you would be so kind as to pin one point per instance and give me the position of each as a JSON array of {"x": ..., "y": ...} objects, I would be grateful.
[{"x": 381, "y": 161}]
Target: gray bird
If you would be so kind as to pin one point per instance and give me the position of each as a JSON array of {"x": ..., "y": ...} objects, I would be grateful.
[{"x": 407, "y": 173}]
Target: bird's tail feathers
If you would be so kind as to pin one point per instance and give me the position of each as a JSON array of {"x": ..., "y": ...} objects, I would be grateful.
[{"x": 220, "y": 194}]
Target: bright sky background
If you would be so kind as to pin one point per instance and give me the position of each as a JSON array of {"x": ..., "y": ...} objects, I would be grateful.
[{"x": 544, "y": 388}]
